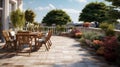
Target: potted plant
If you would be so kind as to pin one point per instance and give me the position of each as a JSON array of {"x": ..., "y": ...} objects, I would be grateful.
[
  {"x": 86, "y": 24},
  {"x": 18, "y": 19}
]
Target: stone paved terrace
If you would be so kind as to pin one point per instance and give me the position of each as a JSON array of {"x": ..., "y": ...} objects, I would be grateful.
[{"x": 65, "y": 52}]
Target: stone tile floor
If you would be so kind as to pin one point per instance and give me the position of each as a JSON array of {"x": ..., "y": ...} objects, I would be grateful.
[{"x": 65, "y": 52}]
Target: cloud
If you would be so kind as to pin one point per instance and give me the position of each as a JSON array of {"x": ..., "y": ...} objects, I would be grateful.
[
  {"x": 80, "y": 1},
  {"x": 71, "y": 11},
  {"x": 49, "y": 7}
]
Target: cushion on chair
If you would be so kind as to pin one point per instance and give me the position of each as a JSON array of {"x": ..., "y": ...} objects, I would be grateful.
[
  {"x": 41, "y": 40},
  {"x": 12, "y": 33},
  {"x": 46, "y": 34}
]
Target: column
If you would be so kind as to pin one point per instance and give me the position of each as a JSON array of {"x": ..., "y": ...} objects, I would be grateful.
[{"x": 5, "y": 14}]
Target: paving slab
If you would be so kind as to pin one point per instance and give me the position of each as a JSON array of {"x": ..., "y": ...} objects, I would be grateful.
[{"x": 64, "y": 52}]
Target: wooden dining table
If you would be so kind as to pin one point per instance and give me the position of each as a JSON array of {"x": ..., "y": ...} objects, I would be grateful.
[{"x": 34, "y": 36}]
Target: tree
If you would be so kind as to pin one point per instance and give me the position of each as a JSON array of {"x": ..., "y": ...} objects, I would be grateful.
[
  {"x": 113, "y": 14},
  {"x": 29, "y": 16},
  {"x": 115, "y": 2},
  {"x": 17, "y": 18},
  {"x": 93, "y": 11},
  {"x": 57, "y": 17}
]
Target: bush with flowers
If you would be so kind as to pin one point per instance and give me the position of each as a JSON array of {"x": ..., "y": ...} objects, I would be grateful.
[
  {"x": 110, "y": 42},
  {"x": 97, "y": 44},
  {"x": 110, "y": 45},
  {"x": 78, "y": 35},
  {"x": 107, "y": 45},
  {"x": 75, "y": 32}
]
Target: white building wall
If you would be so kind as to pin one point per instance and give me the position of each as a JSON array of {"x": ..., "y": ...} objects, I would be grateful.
[
  {"x": 7, "y": 7},
  {"x": 20, "y": 4},
  {"x": 5, "y": 15}
]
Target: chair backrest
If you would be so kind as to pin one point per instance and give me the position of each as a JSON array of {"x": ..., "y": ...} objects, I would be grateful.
[
  {"x": 6, "y": 35},
  {"x": 23, "y": 38},
  {"x": 48, "y": 36},
  {"x": 12, "y": 34}
]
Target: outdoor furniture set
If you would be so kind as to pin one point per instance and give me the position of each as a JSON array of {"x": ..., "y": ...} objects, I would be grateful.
[{"x": 19, "y": 40}]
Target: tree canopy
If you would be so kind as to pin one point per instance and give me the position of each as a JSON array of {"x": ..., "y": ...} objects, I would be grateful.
[
  {"x": 113, "y": 13},
  {"x": 29, "y": 15},
  {"x": 115, "y": 2},
  {"x": 94, "y": 11},
  {"x": 17, "y": 18},
  {"x": 57, "y": 17}
]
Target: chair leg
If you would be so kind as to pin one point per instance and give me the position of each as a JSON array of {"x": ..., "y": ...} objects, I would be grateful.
[
  {"x": 50, "y": 42},
  {"x": 39, "y": 45},
  {"x": 46, "y": 46},
  {"x": 30, "y": 48}
]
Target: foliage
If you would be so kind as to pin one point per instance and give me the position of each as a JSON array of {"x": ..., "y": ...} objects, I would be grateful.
[
  {"x": 110, "y": 44},
  {"x": 97, "y": 44},
  {"x": 112, "y": 15},
  {"x": 108, "y": 29},
  {"x": 57, "y": 17},
  {"x": 88, "y": 35},
  {"x": 118, "y": 38},
  {"x": 30, "y": 27},
  {"x": 97, "y": 37},
  {"x": 115, "y": 2},
  {"x": 93, "y": 12},
  {"x": 82, "y": 40},
  {"x": 78, "y": 35},
  {"x": 17, "y": 18},
  {"x": 36, "y": 23},
  {"x": 100, "y": 51},
  {"x": 60, "y": 28},
  {"x": 29, "y": 16},
  {"x": 118, "y": 55},
  {"x": 104, "y": 26}
]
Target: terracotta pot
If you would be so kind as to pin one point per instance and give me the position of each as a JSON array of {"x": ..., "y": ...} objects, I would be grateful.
[{"x": 86, "y": 24}]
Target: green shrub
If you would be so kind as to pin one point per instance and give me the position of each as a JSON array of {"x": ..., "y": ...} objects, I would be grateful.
[
  {"x": 104, "y": 26},
  {"x": 97, "y": 37},
  {"x": 82, "y": 40},
  {"x": 87, "y": 35},
  {"x": 118, "y": 38},
  {"x": 110, "y": 30}
]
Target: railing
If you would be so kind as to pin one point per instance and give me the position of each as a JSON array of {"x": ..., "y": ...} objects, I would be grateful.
[{"x": 57, "y": 31}]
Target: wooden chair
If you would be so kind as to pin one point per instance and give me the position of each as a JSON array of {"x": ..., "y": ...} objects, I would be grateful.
[
  {"x": 23, "y": 39},
  {"x": 10, "y": 43},
  {"x": 46, "y": 40},
  {"x": 12, "y": 34}
]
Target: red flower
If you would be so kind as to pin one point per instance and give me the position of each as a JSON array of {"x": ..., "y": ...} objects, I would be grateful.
[{"x": 98, "y": 42}]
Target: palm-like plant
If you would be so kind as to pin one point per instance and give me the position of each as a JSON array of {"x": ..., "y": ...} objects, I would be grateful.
[{"x": 17, "y": 18}]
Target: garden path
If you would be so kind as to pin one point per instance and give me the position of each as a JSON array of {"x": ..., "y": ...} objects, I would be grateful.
[{"x": 65, "y": 52}]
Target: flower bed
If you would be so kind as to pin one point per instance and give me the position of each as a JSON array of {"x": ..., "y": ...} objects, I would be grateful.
[{"x": 106, "y": 46}]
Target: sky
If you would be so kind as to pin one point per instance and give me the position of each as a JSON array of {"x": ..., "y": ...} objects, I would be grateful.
[{"x": 41, "y": 7}]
